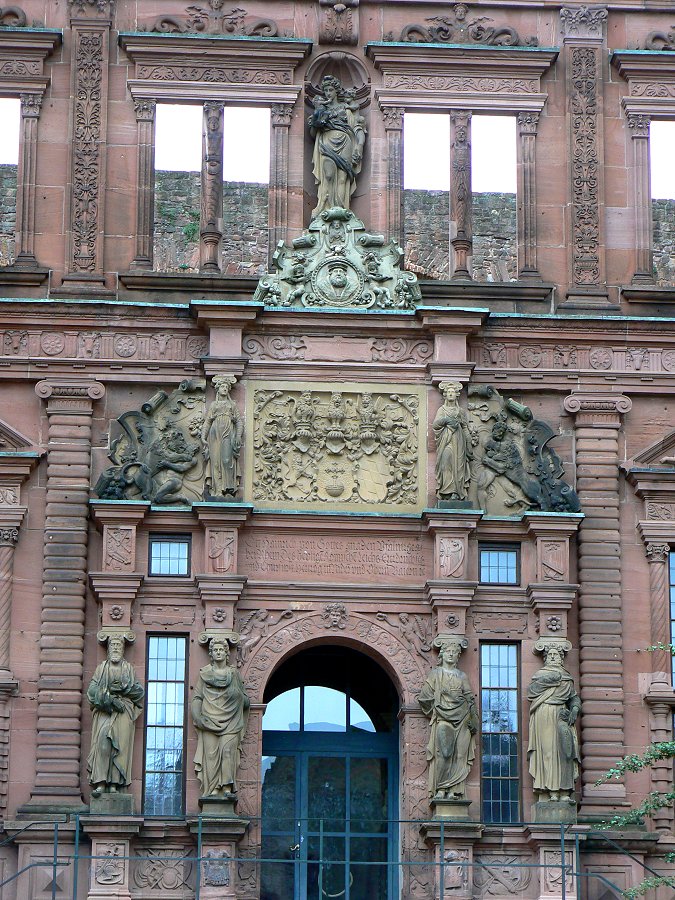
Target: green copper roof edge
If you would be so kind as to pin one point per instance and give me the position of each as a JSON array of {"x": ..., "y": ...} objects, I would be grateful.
[
  {"x": 24, "y": 454},
  {"x": 33, "y": 30},
  {"x": 584, "y": 317},
  {"x": 93, "y": 301}
]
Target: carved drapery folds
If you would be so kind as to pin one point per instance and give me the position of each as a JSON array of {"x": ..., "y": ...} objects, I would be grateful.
[
  {"x": 173, "y": 451},
  {"x": 457, "y": 28},
  {"x": 501, "y": 462},
  {"x": 336, "y": 263}
]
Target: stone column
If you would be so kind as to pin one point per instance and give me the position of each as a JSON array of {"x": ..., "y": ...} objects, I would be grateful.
[
  {"x": 58, "y": 763},
  {"x": 661, "y": 703},
  {"x": 452, "y": 588},
  {"x": 583, "y": 39},
  {"x": 31, "y": 105},
  {"x": 460, "y": 192},
  {"x": 145, "y": 184},
  {"x": 9, "y": 535},
  {"x": 639, "y": 132},
  {"x": 597, "y": 424},
  {"x": 657, "y": 557},
  {"x": 211, "y": 224},
  {"x": 527, "y": 195},
  {"x": 89, "y": 88},
  {"x": 393, "y": 126},
  {"x": 278, "y": 193}
]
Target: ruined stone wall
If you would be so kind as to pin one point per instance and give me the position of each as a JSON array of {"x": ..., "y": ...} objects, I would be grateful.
[
  {"x": 663, "y": 218},
  {"x": 176, "y": 244},
  {"x": 7, "y": 212}
]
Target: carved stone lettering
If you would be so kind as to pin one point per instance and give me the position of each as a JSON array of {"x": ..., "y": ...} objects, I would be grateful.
[
  {"x": 366, "y": 559},
  {"x": 499, "y": 623},
  {"x": 315, "y": 447}
]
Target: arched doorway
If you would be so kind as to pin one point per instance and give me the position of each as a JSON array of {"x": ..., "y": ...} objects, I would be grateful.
[{"x": 330, "y": 779}]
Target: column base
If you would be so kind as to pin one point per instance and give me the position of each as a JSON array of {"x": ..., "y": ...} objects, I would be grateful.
[
  {"x": 116, "y": 804},
  {"x": 549, "y": 812}
]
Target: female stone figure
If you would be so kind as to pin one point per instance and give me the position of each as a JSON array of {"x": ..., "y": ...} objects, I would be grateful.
[
  {"x": 116, "y": 699},
  {"x": 339, "y": 135},
  {"x": 446, "y": 699},
  {"x": 220, "y": 712},
  {"x": 453, "y": 445},
  {"x": 553, "y": 750},
  {"x": 222, "y": 435}
]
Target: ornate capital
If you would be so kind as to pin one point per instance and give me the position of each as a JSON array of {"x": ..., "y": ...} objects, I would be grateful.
[
  {"x": 392, "y": 117},
  {"x": 8, "y": 536},
  {"x": 31, "y": 104},
  {"x": 583, "y": 21},
  {"x": 145, "y": 110},
  {"x": 528, "y": 122},
  {"x": 69, "y": 390},
  {"x": 657, "y": 553},
  {"x": 99, "y": 6},
  {"x": 639, "y": 125},
  {"x": 598, "y": 409},
  {"x": 281, "y": 114}
]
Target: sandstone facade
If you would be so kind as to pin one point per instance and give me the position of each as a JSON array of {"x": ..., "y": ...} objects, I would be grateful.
[{"x": 321, "y": 544}]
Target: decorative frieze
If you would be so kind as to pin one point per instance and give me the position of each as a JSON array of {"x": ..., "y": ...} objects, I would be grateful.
[
  {"x": 338, "y": 348},
  {"x": 214, "y": 19},
  {"x": 121, "y": 345},
  {"x": 552, "y": 356},
  {"x": 456, "y": 28},
  {"x": 463, "y": 83}
]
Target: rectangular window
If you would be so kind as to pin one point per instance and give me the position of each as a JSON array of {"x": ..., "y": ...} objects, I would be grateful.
[
  {"x": 500, "y": 729},
  {"x": 499, "y": 564},
  {"x": 169, "y": 555},
  {"x": 661, "y": 142},
  {"x": 493, "y": 185},
  {"x": 671, "y": 559},
  {"x": 10, "y": 120},
  {"x": 165, "y": 726}
]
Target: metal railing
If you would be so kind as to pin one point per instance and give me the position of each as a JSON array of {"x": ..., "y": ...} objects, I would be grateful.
[{"x": 444, "y": 868}]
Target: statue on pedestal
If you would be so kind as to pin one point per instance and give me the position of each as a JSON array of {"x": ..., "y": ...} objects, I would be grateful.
[
  {"x": 553, "y": 750},
  {"x": 453, "y": 445},
  {"x": 339, "y": 136},
  {"x": 447, "y": 700},
  {"x": 222, "y": 435},
  {"x": 116, "y": 699},
  {"x": 220, "y": 712}
]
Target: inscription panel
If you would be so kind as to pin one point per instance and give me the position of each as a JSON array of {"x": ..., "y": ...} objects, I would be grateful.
[{"x": 316, "y": 558}]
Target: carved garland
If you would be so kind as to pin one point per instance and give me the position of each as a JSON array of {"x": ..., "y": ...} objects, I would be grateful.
[
  {"x": 585, "y": 165},
  {"x": 86, "y": 149}
]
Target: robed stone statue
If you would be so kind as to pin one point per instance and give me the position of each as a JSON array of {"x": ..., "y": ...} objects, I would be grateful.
[
  {"x": 553, "y": 750},
  {"x": 116, "y": 699},
  {"x": 222, "y": 435},
  {"x": 220, "y": 712},
  {"x": 453, "y": 445},
  {"x": 339, "y": 135},
  {"x": 447, "y": 700}
]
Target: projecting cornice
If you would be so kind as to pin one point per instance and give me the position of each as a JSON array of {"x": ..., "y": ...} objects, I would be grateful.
[
  {"x": 429, "y": 76},
  {"x": 651, "y": 80},
  {"x": 176, "y": 66}
]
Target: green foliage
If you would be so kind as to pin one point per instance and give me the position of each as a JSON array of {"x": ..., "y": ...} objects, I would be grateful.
[
  {"x": 647, "y": 885},
  {"x": 635, "y": 762}
]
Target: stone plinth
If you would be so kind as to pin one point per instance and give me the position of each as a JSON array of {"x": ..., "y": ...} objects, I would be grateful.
[
  {"x": 217, "y": 838},
  {"x": 452, "y": 844},
  {"x": 550, "y": 813},
  {"x": 110, "y": 854},
  {"x": 455, "y": 810},
  {"x": 112, "y": 804}
]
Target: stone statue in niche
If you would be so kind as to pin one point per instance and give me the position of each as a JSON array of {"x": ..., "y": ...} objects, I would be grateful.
[
  {"x": 512, "y": 469},
  {"x": 453, "y": 446},
  {"x": 339, "y": 135},
  {"x": 553, "y": 750},
  {"x": 222, "y": 435},
  {"x": 116, "y": 699},
  {"x": 220, "y": 712},
  {"x": 448, "y": 702}
]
